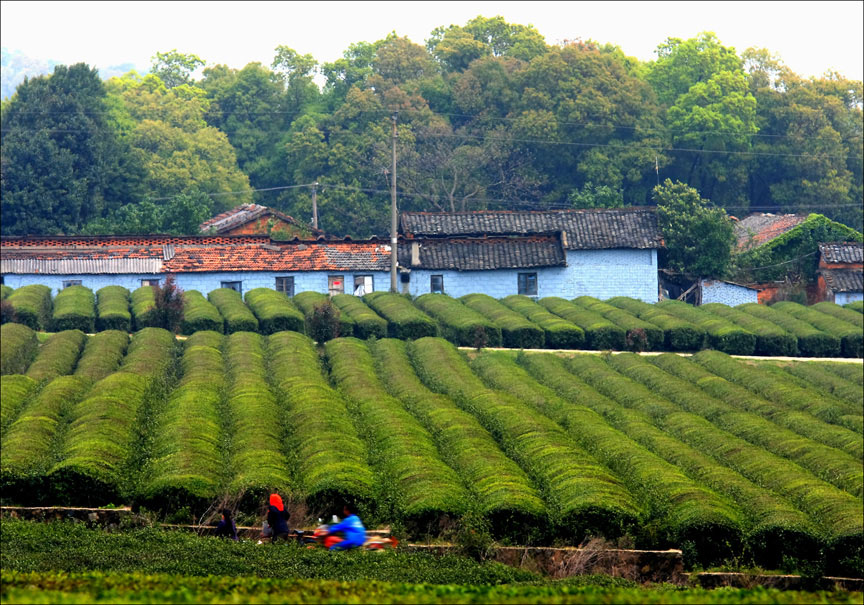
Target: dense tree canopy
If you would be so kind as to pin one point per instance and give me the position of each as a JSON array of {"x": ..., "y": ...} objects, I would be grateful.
[{"x": 489, "y": 116}]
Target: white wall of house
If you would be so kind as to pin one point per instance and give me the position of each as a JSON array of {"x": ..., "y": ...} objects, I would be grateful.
[{"x": 716, "y": 291}]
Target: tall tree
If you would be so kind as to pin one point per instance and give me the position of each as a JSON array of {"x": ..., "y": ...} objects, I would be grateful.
[{"x": 175, "y": 68}]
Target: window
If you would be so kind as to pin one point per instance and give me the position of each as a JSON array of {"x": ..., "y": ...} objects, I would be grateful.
[
  {"x": 437, "y": 284},
  {"x": 528, "y": 284},
  {"x": 285, "y": 285},
  {"x": 362, "y": 285},
  {"x": 71, "y": 282},
  {"x": 336, "y": 284},
  {"x": 150, "y": 282},
  {"x": 237, "y": 286}
]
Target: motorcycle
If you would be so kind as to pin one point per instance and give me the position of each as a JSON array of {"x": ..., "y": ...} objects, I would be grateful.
[{"x": 322, "y": 536}]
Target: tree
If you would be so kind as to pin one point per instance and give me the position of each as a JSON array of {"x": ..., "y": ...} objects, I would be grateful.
[
  {"x": 699, "y": 238},
  {"x": 456, "y": 46},
  {"x": 169, "y": 305},
  {"x": 174, "y": 68}
]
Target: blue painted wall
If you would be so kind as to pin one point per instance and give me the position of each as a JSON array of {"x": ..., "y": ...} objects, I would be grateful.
[
  {"x": 728, "y": 294},
  {"x": 843, "y": 298},
  {"x": 599, "y": 273}
]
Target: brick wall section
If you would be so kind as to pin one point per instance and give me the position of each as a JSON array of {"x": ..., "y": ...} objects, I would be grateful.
[{"x": 130, "y": 240}]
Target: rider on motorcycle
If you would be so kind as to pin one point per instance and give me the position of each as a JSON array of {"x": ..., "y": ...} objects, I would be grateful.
[{"x": 351, "y": 527}]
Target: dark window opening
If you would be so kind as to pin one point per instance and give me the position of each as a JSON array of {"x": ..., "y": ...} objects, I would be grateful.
[
  {"x": 436, "y": 284},
  {"x": 528, "y": 284},
  {"x": 71, "y": 282},
  {"x": 237, "y": 286},
  {"x": 150, "y": 282},
  {"x": 362, "y": 285},
  {"x": 285, "y": 285}
]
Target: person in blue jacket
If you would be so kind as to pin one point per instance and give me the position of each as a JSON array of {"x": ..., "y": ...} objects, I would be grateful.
[{"x": 353, "y": 530}]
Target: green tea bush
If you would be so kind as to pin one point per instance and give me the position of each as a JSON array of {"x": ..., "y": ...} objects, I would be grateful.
[
  {"x": 258, "y": 462},
  {"x": 144, "y": 312},
  {"x": 308, "y": 301},
  {"x": 771, "y": 339},
  {"x": 857, "y": 305},
  {"x": 205, "y": 338},
  {"x": 112, "y": 309},
  {"x": 851, "y": 336},
  {"x": 332, "y": 460},
  {"x": 367, "y": 323},
  {"x": 460, "y": 325},
  {"x": 517, "y": 331},
  {"x": 275, "y": 311},
  {"x": 238, "y": 317},
  {"x": 849, "y": 371},
  {"x": 102, "y": 430},
  {"x": 102, "y": 354},
  {"x": 841, "y": 313},
  {"x": 600, "y": 333},
  {"x": 188, "y": 461},
  {"x": 723, "y": 335},
  {"x": 818, "y": 377},
  {"x": 679, "y": 334},
  {"x": 74, "y": 309},
  {"x": 677, "y": 509},
  {"x": 5, "y": 291},
  {"x": 15, "y": 389},
  {"x": 502, "y": 493},
  {"x": 424, "y": 492},
  {"x": 20, "y": 344},
  {"x": 57, "y": 357},
  {"x": 558, "y": 333},
  {"x": 199, "y": 314},
  {"x": 632, "y": 325},
  {"x": 583, "y": 498},
  {"x": 740, "y": 398},
  {"x": 811, "y": 342},
  {"x": 404, "y": 320},
  {"x": 32, "y": 305},
  {"x": 31, "y": 442},
  {"x": 833, "y": 466}
]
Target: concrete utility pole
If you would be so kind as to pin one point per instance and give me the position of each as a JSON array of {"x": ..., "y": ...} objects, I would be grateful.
[
  {"x": 315, "y": 205},
  {"x": 394, "y": 225}
]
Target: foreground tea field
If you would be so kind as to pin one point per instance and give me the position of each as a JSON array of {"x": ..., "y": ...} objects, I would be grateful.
[{"x": 719, "y": 457}]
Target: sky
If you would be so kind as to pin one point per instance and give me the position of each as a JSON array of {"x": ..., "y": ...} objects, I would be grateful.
[{"x": 810, "y": 37}]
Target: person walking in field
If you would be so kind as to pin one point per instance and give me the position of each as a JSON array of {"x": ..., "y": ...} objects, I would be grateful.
[
  {"x": 351, "y": 527},
  {"x": 277, "y": 519}
]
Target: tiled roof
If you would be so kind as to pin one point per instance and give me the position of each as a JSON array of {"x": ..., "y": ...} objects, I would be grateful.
[
  {"x": 842, "y": 252},
  {"x": 844, "y": 280},
  {"x": 760, "y": 228},
  {"x": 584, "y": 229},
  {"x": 243, "y": 214},
  {"x": 479, "y": 254}
]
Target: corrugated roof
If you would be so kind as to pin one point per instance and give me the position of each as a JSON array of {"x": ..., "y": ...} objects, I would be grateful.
[
  {"x": 584, "y": 229},
  {"x": 844, "y": 280},
  {"x": 79, "y": 266},
  {"x": 760, "y": 228},
  {"x": 484, "y": 254},
  {"x": 842, "y": 252}
]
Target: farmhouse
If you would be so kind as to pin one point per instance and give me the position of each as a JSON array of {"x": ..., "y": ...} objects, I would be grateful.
[
  {"x": 599, "y": 253},
  {"x": 841, "y": 272},
  {"x": 254, "y": 219}
]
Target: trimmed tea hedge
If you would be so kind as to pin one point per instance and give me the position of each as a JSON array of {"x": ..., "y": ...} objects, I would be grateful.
[
  {"x": 238, "y": 317},
  {"x": 741, "y": 398},
  {"x": 32, "y": 305},
  {"x": 558, "y": 333},
  {"x": 275, "y": 311},
  {"x": 857, "y": 305},
  {"x": 460, "y": 325},
  {"x": 404, "y": 320},
  {"x": 57, "y": 357},
  {"x": 258, "y": 463},
  {"x": 516, "y": 330},
  {"x": 112, "y": 309},
  {"x": 188, "y": 462},
  {"x": 850, "y": 335},
  {"x": 14, "y": 391},
  {"x": 5, "y": 291},
  {"x": 679, "y": 334},
  {"x": 723, "y": 335},
  {"x": 144, "y": 307},
  {"x": 841, "y": 313},
  {"x": 422, "y": 490},
  {"x": 638, "y": 333},
  {"x": 583, "y": 497},
  {"x": 811, "y": 342},
  {"x": 307, "y": 301},
  {"x": 849, "y": 371},
  {"x": 367, "y": 322},
  {"x": 502, "y": 491},
  {"x": 600, "y": 333},
  {"x": 771, "y": 339},
  {"x": 818, "y": 376},
  {"x": 199, "y": 314},
  {"x": 678, "y": 510},
  {"x": 74, "y": 309},
  {"x": 20, "y": 344},
  {"x": 332, "y": 460},
  {"x": 31, "y": 443},
  {"x": 102, "y": 354}
]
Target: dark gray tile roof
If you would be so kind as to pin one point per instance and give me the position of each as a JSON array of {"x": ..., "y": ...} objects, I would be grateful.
[
  {"x": 842, "y": 252},
  {"x": 844, "y": 280},
  {"x": 584, "y": 229},
  {"x": 470, "y": 254}
]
